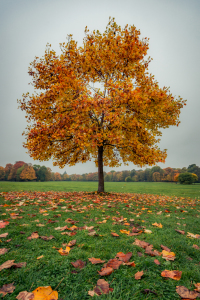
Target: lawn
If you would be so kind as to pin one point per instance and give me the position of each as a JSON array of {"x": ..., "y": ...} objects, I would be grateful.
[
  {"x": 35, "y": 226},
  {"x": 157, "y": 188}
]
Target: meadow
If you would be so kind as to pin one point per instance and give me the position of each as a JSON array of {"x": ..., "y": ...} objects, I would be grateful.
[
  {"x": 142, "y": 243},
  {"x": 157, "y": 188}
]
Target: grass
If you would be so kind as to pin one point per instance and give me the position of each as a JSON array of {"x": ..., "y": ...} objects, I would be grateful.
[
  {"x": 108, "y": 213},
  {"x": 158, "y": 188}
]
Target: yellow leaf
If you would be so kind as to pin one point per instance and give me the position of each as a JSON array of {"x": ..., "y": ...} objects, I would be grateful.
[
  {"x": 45, "y": 293},
  {"x": 125, "y": 231},
  {"x": 159, "y": 225},
  {"x": 64, "y": 252}
]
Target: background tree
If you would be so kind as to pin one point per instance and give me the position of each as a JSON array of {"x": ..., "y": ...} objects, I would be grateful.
[
  {"x": 28, "y": 174},
  {"x": 2, "y": 173},
  {"x": 156, "y": 176},
  {"x": 72, "y": 121},
  {"x": 57, "y": 176},
  {"x": 194, "y": 169},
  {"x": 187, "y": 178}
]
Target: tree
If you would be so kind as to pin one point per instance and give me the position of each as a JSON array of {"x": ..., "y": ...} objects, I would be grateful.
[
  {"x": 2, "y": 173},
  {"x": 72, "y": 121},
  {"x": 28, "y": 173},
  {"x": 156, "y": 176},
  {"x": 187, "y": 178},
  {"x": 194, "y": 169}
]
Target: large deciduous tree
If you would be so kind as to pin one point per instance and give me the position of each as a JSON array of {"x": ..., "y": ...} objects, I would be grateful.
[{"x": 98, "y": 101}]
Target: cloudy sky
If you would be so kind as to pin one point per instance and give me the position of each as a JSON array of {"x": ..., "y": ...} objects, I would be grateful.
[{"x": 173, "y": 27}]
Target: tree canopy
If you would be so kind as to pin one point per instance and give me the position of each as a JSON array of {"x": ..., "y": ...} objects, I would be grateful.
[{"x": 72, "y": 120}]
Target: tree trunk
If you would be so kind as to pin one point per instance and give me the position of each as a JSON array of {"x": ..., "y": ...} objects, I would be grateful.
[{"x": 100, "y": 170}]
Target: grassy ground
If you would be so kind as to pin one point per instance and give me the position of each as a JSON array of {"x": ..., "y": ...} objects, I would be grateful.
[
  {"x": 159, "y": 188},
  {"x": 45, "y": 212}
]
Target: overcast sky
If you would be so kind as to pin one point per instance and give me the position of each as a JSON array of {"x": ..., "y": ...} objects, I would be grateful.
[{"x": 173, "y": 27}]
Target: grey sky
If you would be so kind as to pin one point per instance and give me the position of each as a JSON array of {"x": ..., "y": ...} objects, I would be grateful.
[{"x": 173, "y": 27}]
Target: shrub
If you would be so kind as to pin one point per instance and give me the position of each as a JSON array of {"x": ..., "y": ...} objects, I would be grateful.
[{"x": 187, "y": 178}]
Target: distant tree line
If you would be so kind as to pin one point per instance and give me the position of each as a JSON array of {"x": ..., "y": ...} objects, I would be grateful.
[{"x": 21, "y": 171}]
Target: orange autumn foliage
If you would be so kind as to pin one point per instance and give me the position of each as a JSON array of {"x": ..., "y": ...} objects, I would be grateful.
[
  {"x": 72, "y": 121},
  {"x": 28, "y": 173}
]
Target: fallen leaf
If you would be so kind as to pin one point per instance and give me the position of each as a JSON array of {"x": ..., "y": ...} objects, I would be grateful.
[
  {"x": 7, "y": 264},
  {"x": 168, "y": 255},
  {"x": 196, "y": 247},
  {"x": 185, "y": 293},
  {"x": 138, "y": 275},
  {"x": 71, "y": 243},
  {"x": 159, "y": 225},
  {"x": 3, "y": 224},
  {"x": 34, "y": 235},
  {"x": 4, "y": 235},
  {"x": 25, "y": 296},
  {"x": 156, "y": 262},
  {"x": 113, "y": 263},
  {"x": 92, "y": 293},
  {"x": 197, "y": 285},
  {"x": 141, "y": 244},
  {"x": 125, "y": 231},
  {"x": 64, "y": 252},
  {"x": 180, "y": 231},
  {"x": 102, "y": 287},
  {"x": 95, "y": 261},
  {"x": 147, "y": 231},
  {"x": 105, "y": 271},
  {"x": 78, "y": 264},
  {"x": 45, "y": 293},
  {"x": 39, "y": 257},
  {"x": 46, "y": 238},
  {"x": 148, "y": 291},
  {"x": 131, "y": 263},
  {"x": 176, "y": 275},
  {"x": 165, "y": 248},
  {"x": 114, "y": 234},
  {"x": 195, "y": 236},
  {"x": 124, "y": 257},
  {"x": 7, "y": 288},
  {"x": 3, "y": 251}
]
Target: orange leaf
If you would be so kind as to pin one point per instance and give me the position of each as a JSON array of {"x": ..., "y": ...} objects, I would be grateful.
[
  {"x": 176, "y": 275},
  {"x": 45, "y": 293},
  {"x": 105, "y": 271},
  {"x": 64, "y": 252},
  {"x": 138, "y": 275}
]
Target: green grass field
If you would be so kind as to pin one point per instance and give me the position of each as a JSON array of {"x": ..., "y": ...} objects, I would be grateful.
[
  {"x": 91, "y": 219},
  {"x": 158, "y": 188}
]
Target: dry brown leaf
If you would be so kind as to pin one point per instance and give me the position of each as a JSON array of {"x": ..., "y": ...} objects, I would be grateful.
[
  {"x": 165, "y": 248},
  {"x": 71, "y": 243},
  {"x": 113, "y": 263},
  {"x": 25, "y": 296},
  {"x": 197, "y": 285},
  {"x": 4, "y": 235},
  {"x": 138, "y": 275},
  {"x": 102, "y": 287},
  {"x": 185, "y": 293},
  {"x": 156, "y": 262},
  {"x": 3, "y": 250},
  {"x": 34, "y": 235},
  {"x": 196, "y": 247},
  {"x": 131, "y": 263},
  {"x": 92, "y": 293},
  {"x": 141, "y": 244},
  {"x": 105, "y": 271},
  {"x": 47, "y": 238},
  {"x": 176, "y": 275},
  {"x": 7, "y": 288},
  {"x": 78, "y": 264},
  {"x": 7, "y": 264},
  {"x": 124, "y": 257},
  {"x": 180, "y": 231},
  {"x": 95, "y": 261}
]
